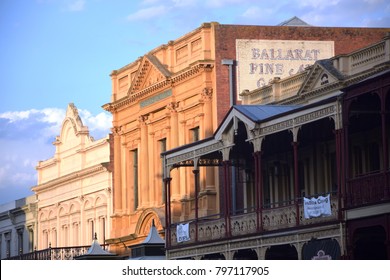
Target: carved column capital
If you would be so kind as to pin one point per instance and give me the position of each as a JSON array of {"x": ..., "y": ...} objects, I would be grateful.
[
  {"x": 172, "y": 106},
  {"x": 143, "y": 119},
  {"x": 116, "y": 130},
  {"x": 207, "y": 93}
]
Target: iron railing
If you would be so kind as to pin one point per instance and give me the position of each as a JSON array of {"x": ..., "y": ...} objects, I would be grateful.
[{"x": 55, "y": 253}]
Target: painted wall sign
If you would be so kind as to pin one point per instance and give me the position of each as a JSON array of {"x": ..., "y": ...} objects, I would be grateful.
[{"x": 260, "y": 61}]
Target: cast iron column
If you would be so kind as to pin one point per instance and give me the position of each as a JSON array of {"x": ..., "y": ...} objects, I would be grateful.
[
  {"x": 258, "y": 190},
  {"x": 226, "y": 175},
  {"x": 384, "y": 143},
  {"x": 296, "y": 181},
  {"x": 167, "y": 182},
  {"x": 196, "y": 178}
]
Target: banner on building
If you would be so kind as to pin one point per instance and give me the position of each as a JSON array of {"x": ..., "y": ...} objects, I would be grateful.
[
  {"x": 183, "y": 232},
  {"x": 317, "y": 207}
]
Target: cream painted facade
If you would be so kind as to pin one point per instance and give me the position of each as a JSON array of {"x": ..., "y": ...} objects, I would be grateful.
[{"x": 74, "y": 190}]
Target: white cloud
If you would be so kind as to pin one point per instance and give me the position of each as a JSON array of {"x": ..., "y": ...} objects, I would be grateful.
[
  {"x": 102, "y": 122},
  {"x": 17, "y": 174},
  {"x": 148, "y": 13},
  {"x": 252, "y": 12},
  {"x": 16, "y": 116},
  {"x": 52, "y": 115},
  {"x": 48, "y": 115},
  {"x": 26, "y": 138},
  {"x": 49, "y": 120}
]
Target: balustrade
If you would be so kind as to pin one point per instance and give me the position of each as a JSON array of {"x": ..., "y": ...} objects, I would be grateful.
[
  {"x": 367, "y": 189},
  {"x": 57, "y": 253},
  {"x": 276, "y": 218}
]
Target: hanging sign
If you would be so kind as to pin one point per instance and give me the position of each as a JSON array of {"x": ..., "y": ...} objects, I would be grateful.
[
  {"x": 317, "y": 207},
  {"x": 183, "y": 232}
]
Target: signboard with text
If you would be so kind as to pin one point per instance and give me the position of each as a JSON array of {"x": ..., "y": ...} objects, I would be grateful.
[
  {"x": 183, "y": 232},
  {"x": 317, "y": 207},
  {"x": 260, "y": 61}
]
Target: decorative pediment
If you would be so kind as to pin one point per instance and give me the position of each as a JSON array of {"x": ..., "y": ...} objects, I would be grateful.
[
  {"x": 150, "y": 72},
  {"x": 72, "y": 129},
  {"x": 321, "y": 74}
]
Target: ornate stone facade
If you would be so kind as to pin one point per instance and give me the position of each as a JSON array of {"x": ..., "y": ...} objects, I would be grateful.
[
  {"x": 74, "y": 190},
  {"x": 18, "y": 227},
  {"x": 177, "y": 94},
  {"x": 271, "y": 156}
]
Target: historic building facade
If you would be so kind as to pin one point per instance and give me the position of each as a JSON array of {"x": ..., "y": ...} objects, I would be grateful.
[
  {"x": 179, "y": 93},
  {"x": 303, "y": 168},
  {"x": 18, "y": 227},
  {"x": 74, "y": 190}
]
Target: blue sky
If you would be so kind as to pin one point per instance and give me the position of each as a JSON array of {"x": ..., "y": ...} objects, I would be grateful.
[{"x": 54, "y": 52}]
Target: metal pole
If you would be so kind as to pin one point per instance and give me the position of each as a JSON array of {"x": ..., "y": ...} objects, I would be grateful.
[{"x": 230, "y": 62}]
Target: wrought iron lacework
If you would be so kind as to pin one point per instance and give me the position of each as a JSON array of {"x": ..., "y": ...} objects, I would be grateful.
[{"x": 201, "y": 162}]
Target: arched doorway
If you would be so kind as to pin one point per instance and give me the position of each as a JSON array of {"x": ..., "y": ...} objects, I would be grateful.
[{"x": 369, "y": 243}]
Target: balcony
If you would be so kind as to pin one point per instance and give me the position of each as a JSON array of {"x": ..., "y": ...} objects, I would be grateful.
[
  {"x": 212, "y": 228},
  {"x": 368, "y": 189}
]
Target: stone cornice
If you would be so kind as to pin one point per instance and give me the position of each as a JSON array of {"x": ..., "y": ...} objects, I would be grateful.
[
  {"x": 95, "y": 144},
  {"x": 128, "y": 66},
  {"x": 78, "y": 175},
  {"x": 181, "y": 76},
  {"x": 46, "y": 163}
]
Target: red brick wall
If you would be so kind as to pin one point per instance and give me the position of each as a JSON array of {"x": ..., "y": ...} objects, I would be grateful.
[{"x": 346, "y": 40}]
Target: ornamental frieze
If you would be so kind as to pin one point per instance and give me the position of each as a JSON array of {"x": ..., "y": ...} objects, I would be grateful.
[
  {"x": 210, "y": 148},
  {"x": 299, "y": 120},
  {"x": 244, "y": 244},
  {"x": 277, "y": 240},
  {"x": 333, "y": 231},
  {"x": 196, "y": 153},
  {"x": 328, "y": 111},
  {"x": 276, "y": 127},
  {"x": 155, "y": 98}
]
